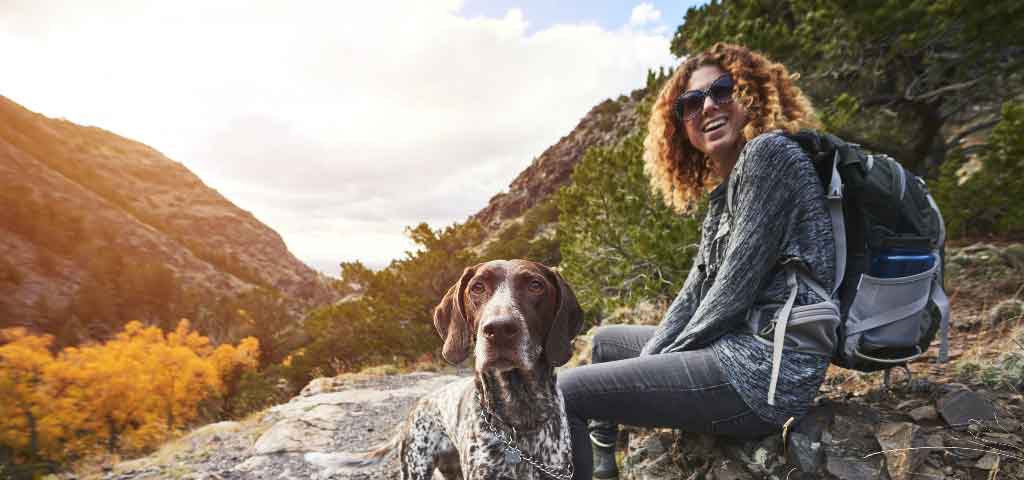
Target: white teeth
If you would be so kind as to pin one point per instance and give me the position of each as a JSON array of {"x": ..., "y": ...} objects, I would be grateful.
[{"x": 714, "y": 124}]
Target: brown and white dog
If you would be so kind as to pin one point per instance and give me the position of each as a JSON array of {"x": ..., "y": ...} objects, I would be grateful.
[{"x": 508, "y": 421}]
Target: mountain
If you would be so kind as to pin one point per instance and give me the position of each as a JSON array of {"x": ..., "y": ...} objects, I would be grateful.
[
  {"x": 605, "y": 124},
  {"x": 96, "y": 224}
]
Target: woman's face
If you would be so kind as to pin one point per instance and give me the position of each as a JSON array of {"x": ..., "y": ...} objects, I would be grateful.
[{"x": 717, "y": 130}]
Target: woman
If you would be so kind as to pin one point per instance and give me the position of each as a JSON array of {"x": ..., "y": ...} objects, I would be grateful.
[{"x": 766, "y": 250}]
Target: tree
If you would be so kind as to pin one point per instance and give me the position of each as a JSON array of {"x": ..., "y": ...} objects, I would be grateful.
[
  {"x": 123, "y": 395},
  {"x": 392, "y": 319},
  {"x": 893, "y": 75},
  {"x": 25, "y": 412},
  {"x": 620, "y": 242},
  {"x": 988, "y": 201}
]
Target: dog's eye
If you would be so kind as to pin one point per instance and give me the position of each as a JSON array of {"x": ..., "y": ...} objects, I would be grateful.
[
  {"x": 536, "y": 286},
  {"x": 477, "y": 287}
]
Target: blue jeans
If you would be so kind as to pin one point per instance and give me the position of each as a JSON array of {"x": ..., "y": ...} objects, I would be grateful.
[{"x": 684, "y": 390}]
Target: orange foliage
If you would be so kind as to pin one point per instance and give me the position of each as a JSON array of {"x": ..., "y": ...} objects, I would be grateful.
[{"x": 124, "y": 395}]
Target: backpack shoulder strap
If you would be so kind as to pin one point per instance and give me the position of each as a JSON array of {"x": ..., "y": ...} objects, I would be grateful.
[{"x": 834, "y": 198}]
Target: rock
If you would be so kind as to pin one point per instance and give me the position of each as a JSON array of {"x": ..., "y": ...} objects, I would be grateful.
[
  {"x": 655, "y": 446},
  {"x": 1009, "y": 310},
  {"x": 962, "y": 446},
  {"x": 856, "y": 468},
  {"x": 318, "y": 386},
  {"x": 804, "y": 445},
  {"x": 643, "y": 463},
  {"x": 930, "y": 472},
  {"x": 924, "y": 413},
  {"x": 854, "y": 428},
  {"x": 987, "y": 462},
  {"x": 807, "y": 455},
  {"x": 728, "y": 470},
  {"x": 960, "y": 408},
  {"x": 900, "y": 441},
  {"x": 908, "y": 404},
  {"x": 252, "y": 464},
  {"x": 1014, "y": 255}
]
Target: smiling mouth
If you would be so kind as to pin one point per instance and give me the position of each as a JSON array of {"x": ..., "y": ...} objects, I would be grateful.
[{"x": 714, "y": 125}]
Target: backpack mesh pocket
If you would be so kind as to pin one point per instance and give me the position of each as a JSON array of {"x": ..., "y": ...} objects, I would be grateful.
[{"x": 885, "y": 320}]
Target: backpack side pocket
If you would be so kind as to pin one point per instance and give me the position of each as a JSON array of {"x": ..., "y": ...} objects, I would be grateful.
[{"x": 885, "y": 318}]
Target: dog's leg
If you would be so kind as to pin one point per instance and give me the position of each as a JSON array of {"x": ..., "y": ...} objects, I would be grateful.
[
  {"x": 425, "y": 445},
  {"x": 448, "y": 464}
]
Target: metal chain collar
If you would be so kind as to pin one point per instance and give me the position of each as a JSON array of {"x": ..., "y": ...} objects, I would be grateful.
[{"x": 514, "y": 454}]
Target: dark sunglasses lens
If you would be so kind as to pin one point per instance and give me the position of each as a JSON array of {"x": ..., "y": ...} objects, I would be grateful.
[
  {"x": 721, "y": 91},
  {"x": 691, "y": 105}
]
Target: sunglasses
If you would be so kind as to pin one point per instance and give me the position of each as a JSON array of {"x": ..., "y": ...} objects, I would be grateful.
[{"x": 689, "y": 105}]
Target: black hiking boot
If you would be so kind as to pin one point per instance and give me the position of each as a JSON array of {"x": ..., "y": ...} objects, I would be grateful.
[{"x": 604, "y": 462}]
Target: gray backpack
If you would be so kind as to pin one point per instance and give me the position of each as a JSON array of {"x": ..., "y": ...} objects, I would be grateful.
[
  {"x": 889, "y": 299},
  {"x": 892, "y": 300}
]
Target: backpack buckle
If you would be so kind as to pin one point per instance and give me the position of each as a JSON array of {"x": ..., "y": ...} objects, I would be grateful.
[{"x": 835, "y": 186}]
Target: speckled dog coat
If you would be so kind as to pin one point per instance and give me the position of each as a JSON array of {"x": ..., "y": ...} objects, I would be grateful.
[{"x": 507, "y": 421}]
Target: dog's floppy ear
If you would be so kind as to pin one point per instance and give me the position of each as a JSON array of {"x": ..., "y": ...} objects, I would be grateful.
[
  {"x": 450, "y": 320},
  {"x": 567, "y": 324}
]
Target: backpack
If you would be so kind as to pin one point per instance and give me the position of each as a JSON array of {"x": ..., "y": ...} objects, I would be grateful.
[{"x": 886, "y": 225}]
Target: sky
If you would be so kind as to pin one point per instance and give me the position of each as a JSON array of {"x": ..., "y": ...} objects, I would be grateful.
[{"x": 336, "y": 123}]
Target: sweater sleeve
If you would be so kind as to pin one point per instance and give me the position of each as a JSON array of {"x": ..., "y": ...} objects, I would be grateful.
[
  {"x": 678, "y": 313},
  {"x": 765, "y": 184}
]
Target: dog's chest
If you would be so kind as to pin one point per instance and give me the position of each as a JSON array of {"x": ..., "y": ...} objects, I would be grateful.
[
  {"x": 484, "y": 450},
  {"x": 487, "y": 454}
]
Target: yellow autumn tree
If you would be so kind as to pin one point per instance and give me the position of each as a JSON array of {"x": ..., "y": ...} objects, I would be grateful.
[
  {"x": 116, "y": 380},
  {"x": 122, "y": 396},
  {"x": 26, "y": 423}
]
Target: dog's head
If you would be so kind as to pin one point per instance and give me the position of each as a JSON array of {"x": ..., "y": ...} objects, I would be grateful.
[{"x": 517, "y": 312}]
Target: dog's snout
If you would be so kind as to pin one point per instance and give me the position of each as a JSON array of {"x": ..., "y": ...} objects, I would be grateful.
[{"x": 501, "y": 329}]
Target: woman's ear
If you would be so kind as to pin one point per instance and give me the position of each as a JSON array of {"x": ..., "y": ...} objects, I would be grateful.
[{"x": 451, "y": 322}]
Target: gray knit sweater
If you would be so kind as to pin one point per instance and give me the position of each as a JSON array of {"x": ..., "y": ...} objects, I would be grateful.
[{"x": 778, "y": 213}]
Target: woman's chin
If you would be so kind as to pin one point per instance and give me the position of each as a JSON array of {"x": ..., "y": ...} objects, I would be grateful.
[{"x": 721, "y": 142}]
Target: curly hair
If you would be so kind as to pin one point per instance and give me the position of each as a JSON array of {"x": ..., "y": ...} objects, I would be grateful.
[{"x": 773, "y": 102}]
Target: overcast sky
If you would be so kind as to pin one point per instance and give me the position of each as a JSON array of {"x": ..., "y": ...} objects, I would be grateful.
[{"x": 336, "y": 123}]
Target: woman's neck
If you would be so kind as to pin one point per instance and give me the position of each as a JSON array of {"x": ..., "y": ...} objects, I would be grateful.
[{"x": 723, "y": 162}]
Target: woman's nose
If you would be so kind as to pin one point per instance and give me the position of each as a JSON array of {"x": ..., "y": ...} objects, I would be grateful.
[{"x": 709, "y": 105}]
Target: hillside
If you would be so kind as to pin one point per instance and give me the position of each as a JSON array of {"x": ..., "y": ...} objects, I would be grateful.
[
  {"x": 605, "y": 124},
  {"x": 87, "y": 209}
]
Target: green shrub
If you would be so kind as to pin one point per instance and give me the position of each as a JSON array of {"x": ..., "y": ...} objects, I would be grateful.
[
  {"x": 527, "y": 239},
  {"x": 620, "y": 243},
  {"x": 989, "y": 201}
]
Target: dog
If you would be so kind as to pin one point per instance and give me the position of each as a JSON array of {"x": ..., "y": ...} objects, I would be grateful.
[{"x": 508, "y": 421}]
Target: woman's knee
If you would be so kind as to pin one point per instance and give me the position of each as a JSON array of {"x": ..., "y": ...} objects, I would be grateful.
[
  {"x": 568, "y": 384},
  {"x": 617, "y": 342}
]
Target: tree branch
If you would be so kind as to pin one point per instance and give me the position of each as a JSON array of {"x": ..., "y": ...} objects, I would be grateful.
[
  {"x": 952, "y": 143},
  {"x": 924, "y": 97}
]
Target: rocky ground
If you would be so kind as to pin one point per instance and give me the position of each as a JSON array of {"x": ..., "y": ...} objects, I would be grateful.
[
  {"x": 959, "y": 420},
  {"x": 344, "y": 414}
]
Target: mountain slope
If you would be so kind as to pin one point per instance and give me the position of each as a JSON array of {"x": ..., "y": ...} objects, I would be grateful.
[
  {"x": 605, "y": 124},
  {"x": 81, "y": 202}
]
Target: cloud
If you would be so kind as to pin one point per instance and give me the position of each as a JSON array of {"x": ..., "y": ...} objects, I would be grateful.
[
  {"x": 643, "y": 14},
  {"x": 336, "y": 123}
]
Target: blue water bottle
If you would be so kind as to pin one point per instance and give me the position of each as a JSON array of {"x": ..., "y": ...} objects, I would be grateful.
[{"x": 900, "y": 262}]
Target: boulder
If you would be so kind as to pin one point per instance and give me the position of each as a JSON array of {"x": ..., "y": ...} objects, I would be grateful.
[
  {"x": 961, "y": 408},
  {"x": 901, "y": 442}
]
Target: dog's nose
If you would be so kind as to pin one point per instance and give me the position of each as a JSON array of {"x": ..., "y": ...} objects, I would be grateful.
[{"x": 501, "y": 329}]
